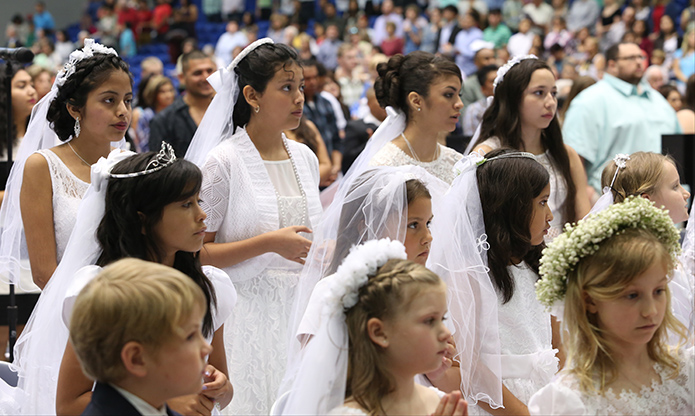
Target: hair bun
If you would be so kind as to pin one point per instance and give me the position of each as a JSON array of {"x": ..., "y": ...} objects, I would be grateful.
[{"x": 387, "y": 85}]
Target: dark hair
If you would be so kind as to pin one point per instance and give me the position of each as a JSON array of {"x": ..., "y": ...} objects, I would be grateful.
[
  {"x": 89, "y": 74},
  {"x": 415, "y": 72},
  {"x": 451, "y": 8},
  {"x": 190, "y": 56},
  {"x": 483, "y": 72},
  {"x": 613, "y": 52},
  {"x": 475, "y": 15},
  {"x": 667, "y": 89},
  {"x": 256, "y": 70},
  {"x": 507, "y": 188},
  {"x": 306, "y": 135},
  {"x": 134, "y": 207},
  {"x": 689, "y": 97},
  {"x": 503, "y": 120},
  {"x": 4, "y": 93}
]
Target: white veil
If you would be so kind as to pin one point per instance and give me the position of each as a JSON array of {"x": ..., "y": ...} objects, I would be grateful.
[
  {"x": 40, "y": 348},
  {"x": 459, "y": 257},
  {"x": 13, "y": 251}
]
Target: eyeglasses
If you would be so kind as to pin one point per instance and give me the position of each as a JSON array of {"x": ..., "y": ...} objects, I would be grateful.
[{"x": 631, "y": 58}]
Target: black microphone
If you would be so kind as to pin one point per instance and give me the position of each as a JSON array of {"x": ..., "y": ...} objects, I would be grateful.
[{"x": 21, "y": 55}]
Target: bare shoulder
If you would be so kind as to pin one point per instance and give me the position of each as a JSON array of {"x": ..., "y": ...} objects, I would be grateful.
[
  {"x": 36, "y": 165},
  {"x": 483, "y": 149}
]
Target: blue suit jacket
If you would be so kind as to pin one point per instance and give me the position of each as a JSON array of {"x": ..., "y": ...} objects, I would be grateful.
[{"x": 107, "y": 401}]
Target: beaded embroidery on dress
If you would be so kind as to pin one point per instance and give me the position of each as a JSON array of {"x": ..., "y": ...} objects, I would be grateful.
[{"x": 442, "y": 167}]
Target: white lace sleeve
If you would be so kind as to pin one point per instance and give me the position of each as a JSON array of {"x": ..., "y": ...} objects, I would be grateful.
[
  {"x": 556, "y": 399},
  {"x": 214, "y": 191},
  {"x": 224, "y": 292}
]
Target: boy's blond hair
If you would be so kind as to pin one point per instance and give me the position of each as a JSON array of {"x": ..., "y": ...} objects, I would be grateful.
[{"x": 130, "y": 300}]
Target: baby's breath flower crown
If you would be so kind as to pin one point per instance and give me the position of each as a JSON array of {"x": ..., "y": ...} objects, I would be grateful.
[{"x": 582, "y": 239}]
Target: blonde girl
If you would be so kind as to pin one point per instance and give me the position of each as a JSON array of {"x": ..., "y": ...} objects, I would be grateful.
[{"x": 611, "y": 272}]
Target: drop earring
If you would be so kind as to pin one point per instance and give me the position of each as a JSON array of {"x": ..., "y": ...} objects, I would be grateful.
[
  {"x": 257, "y": 109},
  {"x": 77, "y": 127}
]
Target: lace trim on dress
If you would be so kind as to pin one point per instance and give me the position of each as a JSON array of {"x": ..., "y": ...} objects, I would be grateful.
[{"x": 442, "y": 167}]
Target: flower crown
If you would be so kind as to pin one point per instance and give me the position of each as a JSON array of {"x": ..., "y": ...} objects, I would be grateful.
[
  {"x": 581, "y": 240},
  {"x": 506, "y": 67},
  {"x": 362, "y": 262},
  {"x": 164, "y": 158},
  {"x": 90, "y": 48}
]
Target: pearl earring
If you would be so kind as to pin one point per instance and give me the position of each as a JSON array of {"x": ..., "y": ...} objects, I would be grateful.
[
  {"x": 257, "y": 109},
  {"x": 418, "y": 109}
]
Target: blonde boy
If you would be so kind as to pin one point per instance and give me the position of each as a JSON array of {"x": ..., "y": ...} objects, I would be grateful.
[{"x": 136, "y": 330}]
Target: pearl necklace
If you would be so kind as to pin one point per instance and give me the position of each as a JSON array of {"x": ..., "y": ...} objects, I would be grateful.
[
  {"x": 415, "y": 157},
  {"x": 283, "y": 214}
]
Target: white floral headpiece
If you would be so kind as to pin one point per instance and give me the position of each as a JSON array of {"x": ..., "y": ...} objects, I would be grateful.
[
  {"x": 247, "y": 50},
  {"x": 354, "y": 272},
  {"x": 90, "y": 48},
  {"x": 506, "y": 67},
  {"x": 565, "y": 252}
]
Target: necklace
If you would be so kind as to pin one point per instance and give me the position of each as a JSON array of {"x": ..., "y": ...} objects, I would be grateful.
[
  {"x": 77, "y": 154},
  {"x": 412, "y": 151},
  {"x": 283, "y": 213}
]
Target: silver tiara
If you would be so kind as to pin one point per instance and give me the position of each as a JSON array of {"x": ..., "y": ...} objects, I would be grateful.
[
  {"x": 90, "y": 48},
  {"x": 164, "y": 158},
  {"x": 526, "y": 155}
]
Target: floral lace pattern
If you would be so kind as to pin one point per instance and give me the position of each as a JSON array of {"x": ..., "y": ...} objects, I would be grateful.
[
  {"x": 666, "y": 396},
  {"x": 68, "y": 191},
  {"x": 442, "y": 167}
]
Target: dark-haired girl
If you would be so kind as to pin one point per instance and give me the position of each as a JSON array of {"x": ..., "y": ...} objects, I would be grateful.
[
  {"x": 426, "y": 89},
  {"x": 523, "y": 116},
  {"x": 153, "y": 214},
  {"x": 88, "y": 109},
  {"x": 260, "y": 192},
  {"x": 514, "y": 192}
]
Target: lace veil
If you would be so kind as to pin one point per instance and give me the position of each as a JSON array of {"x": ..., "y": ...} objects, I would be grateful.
[
  {"x": 459, "y": 257},
  {"x": 13, "y": 251}
]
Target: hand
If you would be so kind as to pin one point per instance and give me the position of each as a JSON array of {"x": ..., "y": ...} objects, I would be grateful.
[
  {"x": 452, "y": 404},
  {"x": 192, "y": 405},
  {"x": 217, "y": 387},
  {"x": 290, "y": 245},
  {"x": 447, "y": 362}
]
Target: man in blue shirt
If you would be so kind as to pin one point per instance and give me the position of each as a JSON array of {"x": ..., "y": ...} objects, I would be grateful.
[{"x": 619, "y": 114}]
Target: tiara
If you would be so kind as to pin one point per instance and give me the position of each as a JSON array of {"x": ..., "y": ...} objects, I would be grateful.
[
  {"x": 526, "y": 155},
  {"x": 90, "y": 48},
  {"x": 506, "y": 67},
  {"x": 164, "y": 158}
]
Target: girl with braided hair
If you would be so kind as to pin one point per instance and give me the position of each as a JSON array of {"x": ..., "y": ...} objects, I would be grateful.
[{"x": 88, "y": 108}]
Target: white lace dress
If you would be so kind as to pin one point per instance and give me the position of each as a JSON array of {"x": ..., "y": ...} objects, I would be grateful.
[
  {"x": 667, "y": 396},
  {"x": 68, "y": 191},
  {"x": 558, "y": 189},
  {"x": 245, "y": 197},
  {"x": 528, "y": 358},
  {"x": 442, "y": 167}
]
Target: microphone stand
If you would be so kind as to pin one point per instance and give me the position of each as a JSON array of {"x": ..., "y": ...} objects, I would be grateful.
[{"x": 12, "y": 307}]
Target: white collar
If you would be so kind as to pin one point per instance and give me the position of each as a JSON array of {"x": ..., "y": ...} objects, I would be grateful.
[{"x": 139, "y": 404}]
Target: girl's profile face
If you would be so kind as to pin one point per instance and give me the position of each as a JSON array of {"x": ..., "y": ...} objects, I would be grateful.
[
  {"x": 165, "y": 95},
  {"x": 670, "y": 194},
  {"x": 23, "y": 94},
  {"x": 674, "y": 98},
  {"x": 540, "y": 220},
  {"x": 182, "y": 227},
  {"x": 442, "y": 107},
  {"x": 282, "y": 102},
  {"x": 417, "y": 236},
  {"x": 107, "y": 112},
  {"x": 539, "y": 101},
  {"x": 42, "y": 84},
  {"x": 634, "y": 316},
  {"x": 416, "y": 337}
]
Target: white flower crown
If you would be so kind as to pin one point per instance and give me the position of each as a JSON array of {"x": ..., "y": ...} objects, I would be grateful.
[
  {"x": 362, "y": 262},
  {"x": 582, "y": 239},
  {"x": 90, "y": 48},
  {"x": 506, "y": 67}
]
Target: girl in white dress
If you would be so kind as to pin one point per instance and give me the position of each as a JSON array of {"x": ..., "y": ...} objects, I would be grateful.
[
  {"x": 523, "y": 116},
  {"x": 514, "y": 192},
  {"x": 382, "y": 323},
  {"x": 610, "y": 273},
  {"x": 152, "y": 214},
  {"x": 260, "y": 192},
  {"x": 425, "y": 88},
  {"x": 87, "y": 109}
]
